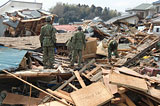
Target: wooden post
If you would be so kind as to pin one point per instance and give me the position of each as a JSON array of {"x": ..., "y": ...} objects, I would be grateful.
[
  {"x": 35, "y": 87},
  {"x": 30, "y": 94}
]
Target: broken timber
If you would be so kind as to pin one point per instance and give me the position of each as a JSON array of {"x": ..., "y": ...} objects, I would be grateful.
[
  {"x": 141, "y": 53},
  {"x": 35, "y": 87},
  {"x": 92, "y": 95},
  {"x": 73, "y": 77}
]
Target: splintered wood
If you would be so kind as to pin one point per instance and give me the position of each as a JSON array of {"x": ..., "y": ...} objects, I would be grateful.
[
  {"x": 92, "y": 95},
  {"x": 128, "y": 81}
]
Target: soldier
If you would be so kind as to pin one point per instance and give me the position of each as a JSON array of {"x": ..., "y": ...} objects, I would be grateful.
[
  {"x": 48, "y": 40},
  {"x": 112, "y": 47},
  {"x": 78, "y": 43},
  {"x": 69, "y": 47}
]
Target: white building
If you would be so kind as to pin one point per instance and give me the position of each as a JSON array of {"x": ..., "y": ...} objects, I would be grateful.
[
  {"x": 129, "y": 18},
  {"x": 143, "y": 10},
  {"x": 13, "y": 5}
]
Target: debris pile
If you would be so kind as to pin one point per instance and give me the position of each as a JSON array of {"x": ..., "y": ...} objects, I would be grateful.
[
  {"x": 24, "y": 22},
  {"x": 132, "y": 79}
]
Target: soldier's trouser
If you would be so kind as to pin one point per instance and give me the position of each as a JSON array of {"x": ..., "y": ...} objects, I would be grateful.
[
  {"x": 78, "y": 54},
  {"x": 110, "y": 53},
  {"x": 48, "y": 56}
]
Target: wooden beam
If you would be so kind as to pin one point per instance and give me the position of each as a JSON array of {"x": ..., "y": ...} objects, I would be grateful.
[
  {"x": 80, "y": 79},
  {"x": 73, "y": 77},
  {"x": 34, "y": 86},
  {"x": 73, "y": 86},
  {"x": 60, "y": 95},
  {"x": 117, "y": 100},
  {"x": 122, "y": 90},
  {"x": 128, "y": 100},
  {"x": 141, "y": 53},
  {"x": 64, "y": 92},
  {"x": 121, "y": 104},
  {"x": 93, "y": 71},
  {"x": 149, "y": 102}
]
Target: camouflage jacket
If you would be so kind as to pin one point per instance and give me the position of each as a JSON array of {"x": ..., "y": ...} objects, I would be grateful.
[
  {"x": 113, "y": 45},
  {"x": 78, "y": 40},
  {"x": 69, "y": 44},
  {"x": 47, "y": 35}
]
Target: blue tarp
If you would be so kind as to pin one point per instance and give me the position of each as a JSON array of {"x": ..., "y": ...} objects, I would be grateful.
[{"x": 10, "y": 58}]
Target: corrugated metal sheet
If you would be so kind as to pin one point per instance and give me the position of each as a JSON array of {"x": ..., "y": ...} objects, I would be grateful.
[{"x": 10, "y": 58}]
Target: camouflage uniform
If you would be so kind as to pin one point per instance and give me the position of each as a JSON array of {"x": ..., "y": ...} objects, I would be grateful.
[
  {"x": 78, "y": 43},
  {"x": 48, "y": 40},
  {"x": 112, "y": 47},
  {"x": 69, "y": 47}
]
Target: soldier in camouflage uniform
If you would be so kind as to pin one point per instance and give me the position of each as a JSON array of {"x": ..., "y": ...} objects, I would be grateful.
[
  {"x": 69, "y": 47},
  {"x": 48, "y": 40},
  {"x": 78, "y": 43},
  {"x": 112, "y": 47}
]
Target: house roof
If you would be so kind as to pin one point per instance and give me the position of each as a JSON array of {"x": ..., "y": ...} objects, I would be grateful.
[
  {"x": 114, "y": 19},
  {"x": 10, "y": 58},
  {"x": 156, "y": 20},
  {"x": 13, "y": 5},
  {"x": 156, "y": 2},
  {"x": 65, "y": 27},
  {"x": 142, "y": 7}
]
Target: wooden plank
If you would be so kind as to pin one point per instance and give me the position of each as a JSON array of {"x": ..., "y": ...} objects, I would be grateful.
[
  {"x": 33, "y": 86},
  {"x": 13, "y": 99},
  {"x": 120, "y": 62},
  {"x": 141, "y": 53},
  {"x": 113, "y": 88},
  {"x": 60, "y": 69},
  {"x": 149, "y": 102},
  {"x": 73, "y": 86},
  {"x": 147, "y": 95},
  {"x": 128, "y": 71},
  {"x": 73, "y": 77},
  {"x": 154, "y": 93},
  {"x": 96, "y": 77},
  {"x": 79, "y": 79},
  {"x": 128, "y": 100},
  {"x": 121, "y": 104},
  {"x": 64, "y": 92},
  {"x": 121, "y": 90},
  {"x": 117, "y": 100},
  {"x": 128, "y": 81},
  {"x": 93, "y": 71},
  {"x": 53, "y": 103},
  {"x": 58, "y": 94},
  {"x": 92, "y": 95}
]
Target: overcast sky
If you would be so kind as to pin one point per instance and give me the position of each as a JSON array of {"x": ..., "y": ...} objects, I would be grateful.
[{"x": 119, "y": 5}]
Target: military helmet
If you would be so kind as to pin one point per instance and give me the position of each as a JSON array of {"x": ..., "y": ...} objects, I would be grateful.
[
  {"x": 48, "y": 19},
  {"x": 79, "y": 28}
]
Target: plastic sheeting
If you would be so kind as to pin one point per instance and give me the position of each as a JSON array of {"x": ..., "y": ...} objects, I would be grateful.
[{"x": 10, "y": 58}]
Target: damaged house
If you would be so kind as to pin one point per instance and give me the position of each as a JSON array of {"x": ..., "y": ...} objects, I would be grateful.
[
  {"x": 143, "y": 10},
  {"x": 25, "y": 18},
  {"x": 130, "y": 18}
]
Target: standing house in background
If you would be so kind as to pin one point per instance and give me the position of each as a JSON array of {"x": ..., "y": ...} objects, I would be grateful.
[
  {"x": 130, "y": 18},
  {"x": 143, "y": 10},
  {"x": 157, "y": 6}
]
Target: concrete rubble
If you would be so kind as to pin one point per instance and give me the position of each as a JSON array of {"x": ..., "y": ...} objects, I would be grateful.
[{"x": 133, "y": 79}]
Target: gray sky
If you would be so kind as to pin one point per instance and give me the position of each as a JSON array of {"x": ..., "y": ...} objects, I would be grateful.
[{"x": 119, "y": 5}]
